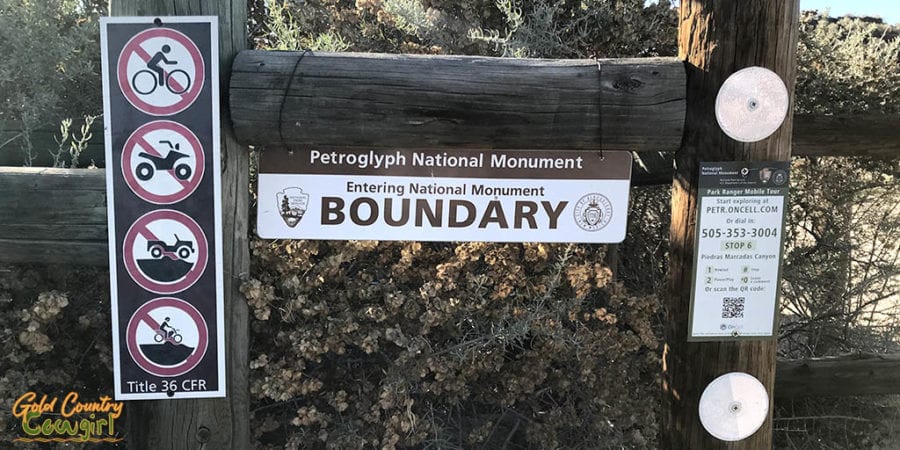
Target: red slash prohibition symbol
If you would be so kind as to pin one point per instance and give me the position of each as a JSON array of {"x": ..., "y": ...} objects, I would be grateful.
[
  {"x": 165, "y": 82},
  {"x": 165, "y": 251},
  {"x": 163, "y": 162},
  {"x": 167, "y": 337}
]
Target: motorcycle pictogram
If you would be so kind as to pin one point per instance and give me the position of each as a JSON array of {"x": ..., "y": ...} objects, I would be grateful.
[{"x": 174, "y": 337}]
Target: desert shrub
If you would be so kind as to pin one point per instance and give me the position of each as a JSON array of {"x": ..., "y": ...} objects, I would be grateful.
[
  {"x": 448, "y": 345},
  {"x": 841, "y": 269},
  {"x": 643, "y": 255},
  {"x": 826, "y": 423},
  {"x": 454, "y": 345},
  {"x": 847, "y": 65},
  {"x": 54, "y": 337},
  {"x": 51, "y": 70},
  {"x": 549, "y": 29}
]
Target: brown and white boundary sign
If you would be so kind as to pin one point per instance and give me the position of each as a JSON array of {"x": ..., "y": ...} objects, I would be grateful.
[
  {"x": 161, "y": 117},
  {"x": 462, "y": 195}
]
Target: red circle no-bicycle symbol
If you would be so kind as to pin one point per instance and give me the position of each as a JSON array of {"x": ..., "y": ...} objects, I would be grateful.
[
  {"x": 165, "y": 251},
  {"x": 162, "y": 162},
  {"x": 167, "y": 337},
  {"x": 160, "y": 71}
]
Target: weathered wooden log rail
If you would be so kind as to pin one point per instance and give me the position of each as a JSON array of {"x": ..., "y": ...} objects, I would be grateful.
[
  {"x": 53, "y": 216},
  {"x": 414, "y": 101},
  {"x": 857, "y": 374},
  {"x": 378, "y": 100},
  {"x": 869, "y": 135}
]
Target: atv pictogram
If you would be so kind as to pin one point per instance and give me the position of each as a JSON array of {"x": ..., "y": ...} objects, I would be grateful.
[
  {"x": 145, "y": 170},
  {"x": 182, "y": 249}
]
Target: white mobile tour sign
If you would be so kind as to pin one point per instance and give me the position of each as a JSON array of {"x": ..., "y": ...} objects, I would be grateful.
[
  {"x": 161, "y": 118},
  {"x": 739, "y": 246},
  {"x": 464, "y": 195}
]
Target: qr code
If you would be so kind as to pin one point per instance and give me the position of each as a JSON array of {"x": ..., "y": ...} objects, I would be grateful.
[{"x": 733, "y": 307}]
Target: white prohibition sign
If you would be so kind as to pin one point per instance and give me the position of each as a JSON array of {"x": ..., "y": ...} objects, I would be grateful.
[
  {"x": 167, "y": 337},
  {"x": 165, "y": 251},
  {"x": 162, "y": 162},
  {"x": 160, "y": 71}
]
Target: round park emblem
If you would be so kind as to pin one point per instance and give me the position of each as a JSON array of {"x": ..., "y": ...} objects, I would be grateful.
[
  {"x": 160, "y": 71},
  {"x": 593, "y": 212},
  {"x": 165, "y": 251}
]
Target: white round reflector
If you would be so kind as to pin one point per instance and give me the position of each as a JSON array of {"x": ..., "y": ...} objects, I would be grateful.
[
  {"x": 751, "y": 104},
  {"x": 734, "y": 406}
]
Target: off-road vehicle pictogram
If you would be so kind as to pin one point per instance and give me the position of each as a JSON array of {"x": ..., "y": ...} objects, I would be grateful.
[{"x": 182, "y": 249}]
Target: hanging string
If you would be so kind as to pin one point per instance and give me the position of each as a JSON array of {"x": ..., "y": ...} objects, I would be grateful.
[
  {"x": 284, "y": 97},
  {"x": 600, "y": 110}
]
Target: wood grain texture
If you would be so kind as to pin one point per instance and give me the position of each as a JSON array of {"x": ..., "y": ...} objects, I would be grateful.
[
  {"x": 379, "y": 100},
  {"x": 857, "y": 374},
  {"x": 870, "y": 135},
  {"x": 210, "y": 423},
  {"x": 53, "y": 216},
  {"x": 716, "y": 39},
  {"x": 851, "y": 135}
]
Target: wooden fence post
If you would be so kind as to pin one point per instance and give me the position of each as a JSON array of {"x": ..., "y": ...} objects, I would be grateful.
[
  {"x": 717, "y": 38},
  {"x": 210, "y": 423}
]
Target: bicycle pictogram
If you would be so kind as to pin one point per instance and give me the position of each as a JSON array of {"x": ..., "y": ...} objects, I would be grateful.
[
  {"x": 160, "y": 71},
  {"x": 145, "y": 81},
  {"x": 176, "y": 81}
]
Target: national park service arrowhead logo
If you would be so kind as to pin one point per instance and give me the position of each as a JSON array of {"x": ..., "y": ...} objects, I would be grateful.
[
  {"x": 593, "y": 212},
  {"x": 292, "y": 204}
]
